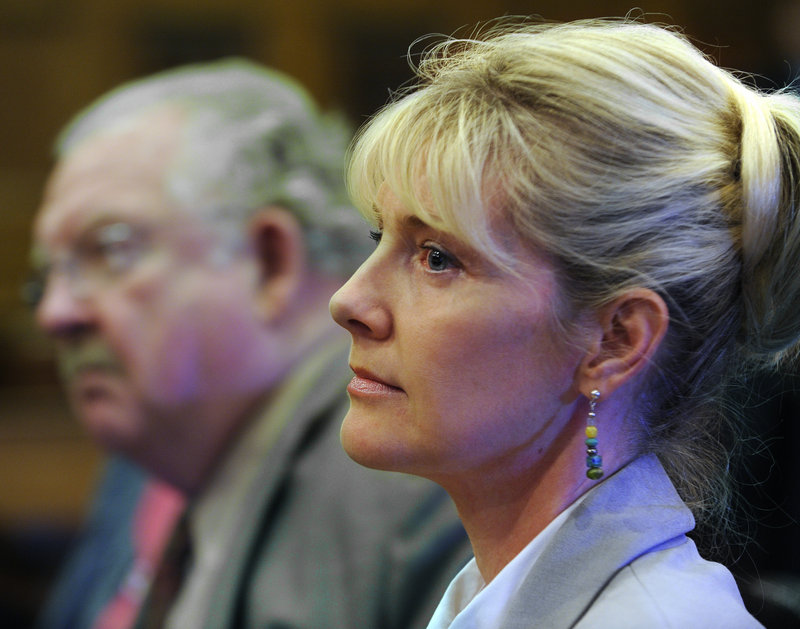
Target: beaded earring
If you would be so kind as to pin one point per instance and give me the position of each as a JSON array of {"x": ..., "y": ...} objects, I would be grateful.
[{"x": 594, "y": 461}]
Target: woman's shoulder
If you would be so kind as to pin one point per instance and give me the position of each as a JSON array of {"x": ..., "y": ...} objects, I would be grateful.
[{"x": 670, "y": 587}]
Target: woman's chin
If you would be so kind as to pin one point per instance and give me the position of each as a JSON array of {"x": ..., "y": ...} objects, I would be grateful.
[{"x": 369, "y": 446}]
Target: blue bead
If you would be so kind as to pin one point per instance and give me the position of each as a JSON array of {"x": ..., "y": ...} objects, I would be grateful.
[
  {"x": 591, "y": 442},
  {"x": 594, "y": 461}
]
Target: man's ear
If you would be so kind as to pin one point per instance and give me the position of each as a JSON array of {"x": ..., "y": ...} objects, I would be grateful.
[
  {"x": 279, "y": 248},
  {"x": 630, "y": 331}
]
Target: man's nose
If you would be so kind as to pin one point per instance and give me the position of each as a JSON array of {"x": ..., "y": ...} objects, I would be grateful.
[{"x": 62, "y": 310}]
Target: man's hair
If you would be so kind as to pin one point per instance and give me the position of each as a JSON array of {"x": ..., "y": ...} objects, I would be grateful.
[{"x": 253, "y": 137}]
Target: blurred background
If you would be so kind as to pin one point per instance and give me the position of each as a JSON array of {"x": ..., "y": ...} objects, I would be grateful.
[{"x": 58, "y": 55}]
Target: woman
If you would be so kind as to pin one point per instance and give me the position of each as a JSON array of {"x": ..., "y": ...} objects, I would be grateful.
[{"x": 582, "y": 230}]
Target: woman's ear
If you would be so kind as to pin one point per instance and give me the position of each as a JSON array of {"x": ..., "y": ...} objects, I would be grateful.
[
  {"x": 278, "y": 245},
  {"x": 631, "y": 329}
]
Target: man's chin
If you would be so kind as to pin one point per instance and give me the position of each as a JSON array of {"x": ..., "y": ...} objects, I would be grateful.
[
  {"x": 109, "y": 430},
  {"x": 106, "y": 409}
]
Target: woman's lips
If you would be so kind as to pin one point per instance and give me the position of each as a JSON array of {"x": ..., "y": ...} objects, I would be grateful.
[{"x": 366, "y": 384}]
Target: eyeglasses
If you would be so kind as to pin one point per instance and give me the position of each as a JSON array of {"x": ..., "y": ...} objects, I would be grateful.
[{"x": 100, "y": 256}]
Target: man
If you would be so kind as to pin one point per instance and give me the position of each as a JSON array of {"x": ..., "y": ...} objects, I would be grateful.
[{"x": 189, "y": 240}]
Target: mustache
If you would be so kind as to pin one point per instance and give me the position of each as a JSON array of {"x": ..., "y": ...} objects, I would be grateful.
[{"x": 94, "y": 354}]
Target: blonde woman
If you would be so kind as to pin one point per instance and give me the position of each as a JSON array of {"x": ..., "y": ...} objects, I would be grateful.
[{"x": 582, "y": 230}]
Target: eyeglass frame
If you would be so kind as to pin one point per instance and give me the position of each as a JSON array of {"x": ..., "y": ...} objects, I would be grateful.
[{"x": 102, "y": 254}]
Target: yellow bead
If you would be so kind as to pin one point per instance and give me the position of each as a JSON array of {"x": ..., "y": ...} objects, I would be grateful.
[
  {"x": 594, "y": 473},
  {"x": 591, "y": 431}
]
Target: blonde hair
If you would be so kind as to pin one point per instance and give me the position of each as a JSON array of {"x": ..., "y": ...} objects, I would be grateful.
[{"x": 624, "y": 153}]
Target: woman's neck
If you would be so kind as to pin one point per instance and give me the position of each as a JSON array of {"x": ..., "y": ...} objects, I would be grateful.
[
  {"x": 502, "y": 520},
  {"x": 503, "y": 511}
]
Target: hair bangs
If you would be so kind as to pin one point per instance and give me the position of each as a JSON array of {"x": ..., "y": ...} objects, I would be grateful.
[{"x": 431, "y": 153}]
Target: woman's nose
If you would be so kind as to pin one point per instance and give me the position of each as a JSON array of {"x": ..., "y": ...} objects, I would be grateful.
[{"x": 361, "y": 306}]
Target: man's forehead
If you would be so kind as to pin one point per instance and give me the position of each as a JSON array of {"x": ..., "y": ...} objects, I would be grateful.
[
  {"x": 146, "y": 143},
  {"x": 146, "y": 127},
  {"x": 118, "y": 174}
]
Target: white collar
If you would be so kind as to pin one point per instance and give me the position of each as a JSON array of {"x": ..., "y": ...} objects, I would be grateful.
[{"x": 469, "y": 603}]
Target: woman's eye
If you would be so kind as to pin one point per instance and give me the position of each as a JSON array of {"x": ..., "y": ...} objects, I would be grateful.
[
  {"x": 437, "y": 260},
  {"x": 376, "y": 235}
]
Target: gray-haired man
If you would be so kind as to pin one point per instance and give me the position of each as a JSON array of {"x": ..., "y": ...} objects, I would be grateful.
[{"x": 188, "y": 243}]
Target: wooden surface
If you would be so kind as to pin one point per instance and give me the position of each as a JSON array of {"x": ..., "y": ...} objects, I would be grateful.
[{"x": 48, "y": 465}]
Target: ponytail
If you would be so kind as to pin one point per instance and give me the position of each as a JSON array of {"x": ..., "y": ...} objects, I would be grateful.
[{"x": 770, "y": 171}]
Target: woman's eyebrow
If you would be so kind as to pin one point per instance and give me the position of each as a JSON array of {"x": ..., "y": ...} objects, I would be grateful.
[
  {"x": 410, "y": 221},
  {"x": 415, "y": 222}
]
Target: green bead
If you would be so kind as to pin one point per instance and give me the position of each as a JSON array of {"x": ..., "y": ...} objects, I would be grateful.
[
  {"x": 594, "y": 473},
  {"x": 591, "y": 442}
]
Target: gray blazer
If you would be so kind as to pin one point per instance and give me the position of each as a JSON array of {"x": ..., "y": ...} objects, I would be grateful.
[
  {"x": 622, "y": 560},
  {"x": 327, "y": 544}
]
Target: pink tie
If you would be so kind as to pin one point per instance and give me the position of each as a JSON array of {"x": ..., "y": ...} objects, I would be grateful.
[{"x": 159, "y": 508}]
